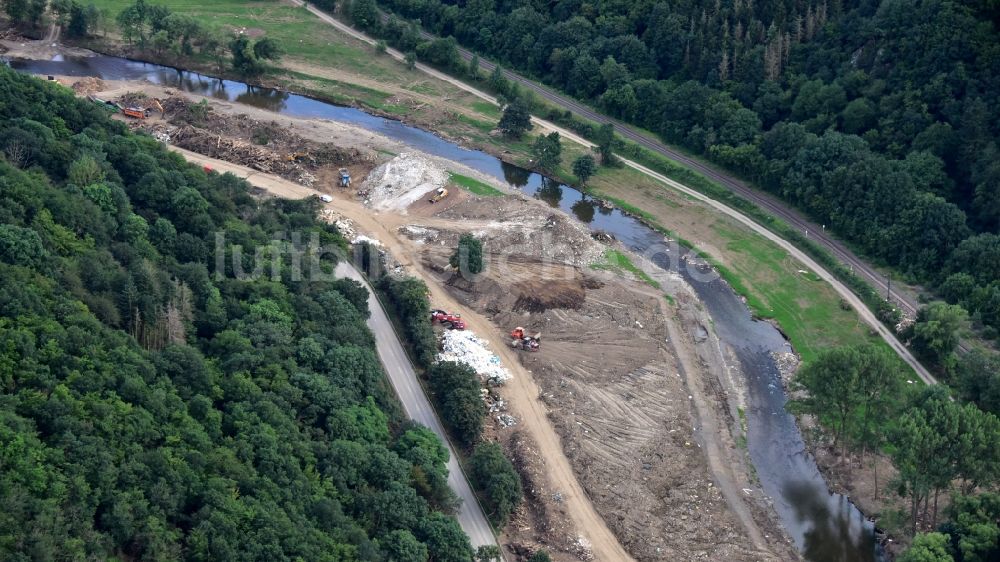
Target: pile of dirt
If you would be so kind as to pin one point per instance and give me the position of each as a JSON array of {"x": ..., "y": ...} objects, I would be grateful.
[
  {"x": 520, "y": 227},
  {"x": 538, "y": 296},
  {"x": 403, "y": 180},
  {"x": 88, "y": 85},
  {"x": 614, "y": 392},
  {"x": 262, "y": 145}
]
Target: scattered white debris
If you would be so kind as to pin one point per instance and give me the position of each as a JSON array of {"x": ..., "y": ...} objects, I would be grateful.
[
  {"x": 345, "y": 226},
  {"x": 362, "y": 238},
  {"x": 402, "y": 181},
  {"x": 307, "y": 179},
  {"x": 419, "y": 234},
  {"x": 463, "y": 346}
]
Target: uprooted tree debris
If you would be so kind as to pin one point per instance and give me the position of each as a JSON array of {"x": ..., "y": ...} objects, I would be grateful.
[{"x": 240, "y": 139}]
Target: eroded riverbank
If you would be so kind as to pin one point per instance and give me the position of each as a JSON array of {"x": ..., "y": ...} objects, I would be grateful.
[{"x": 731, "y": 312}]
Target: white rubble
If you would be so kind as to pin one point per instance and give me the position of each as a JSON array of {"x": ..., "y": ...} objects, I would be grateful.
[
  {"x": 403, "y": 180},
  {"x": 361, "y": 238},
  {"x": 463, "y": 346}
]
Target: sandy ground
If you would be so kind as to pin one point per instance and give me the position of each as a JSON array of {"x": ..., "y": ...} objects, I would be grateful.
[
  {"x": 625, "y": 426},
  {"x": 655, "y": 489}
]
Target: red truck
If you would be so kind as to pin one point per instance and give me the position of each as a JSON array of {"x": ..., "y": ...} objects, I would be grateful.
[{"x": 450, "y": 321}]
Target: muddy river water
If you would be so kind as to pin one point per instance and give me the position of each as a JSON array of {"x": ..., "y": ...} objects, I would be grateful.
[{"x": 826, "y": 527}]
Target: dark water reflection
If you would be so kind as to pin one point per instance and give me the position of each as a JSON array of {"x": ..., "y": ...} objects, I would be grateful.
[
  {"x": 551, "y": 192},
  {"x": 584, "y": 210},
  {"x": 515, "y": 176},
  {"x": 826, "y": 527}
]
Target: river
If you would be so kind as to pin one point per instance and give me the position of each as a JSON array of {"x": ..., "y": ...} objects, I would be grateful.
[{"x": 826, "y": 527}]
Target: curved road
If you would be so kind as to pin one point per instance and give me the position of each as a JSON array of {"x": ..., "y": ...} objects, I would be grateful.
[
  {"x": 765, "y": 201},
  {"x": 390, "y": 352},
  {"x": 404, "y": 380}
]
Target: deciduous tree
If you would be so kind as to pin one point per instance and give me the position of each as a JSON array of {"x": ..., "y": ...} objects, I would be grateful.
[
  {"x": 584, "y": 167},
  {"x": 515, "y": 120}
]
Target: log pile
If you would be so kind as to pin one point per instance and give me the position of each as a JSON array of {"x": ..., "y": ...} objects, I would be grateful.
[
  {"x": 265, "y": 146},
  {"x": 231, "y": 150}
]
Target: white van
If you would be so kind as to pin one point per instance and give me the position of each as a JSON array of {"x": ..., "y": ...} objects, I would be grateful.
[{"x": 326, "y": 198}]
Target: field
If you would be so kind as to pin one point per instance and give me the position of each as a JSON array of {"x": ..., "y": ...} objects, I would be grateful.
[
  {"x": 615, "y": 260},
  {"x": 319, "y": 60},
  {"x": 474, "y": 186}
]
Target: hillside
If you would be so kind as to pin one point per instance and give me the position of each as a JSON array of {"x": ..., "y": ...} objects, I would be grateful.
[{"x": 157, "y": 404}]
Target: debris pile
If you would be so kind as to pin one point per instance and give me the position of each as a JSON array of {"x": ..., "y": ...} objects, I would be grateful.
[
  {"x": 419, "y": 234},
  {"x": 88, "y": 85},
  {"x": 132, "y": 99},
  {"x": 229, "y": 149},
  {"x": 402, "y": 181},
  {"x": 463, "y": 346},
  {"x": 787, "y": 363},
  {"x": 497, "y": 408},
  {"x": 262, "y": 145},
  {"x": 518, "y": 227},
  {"x": 345, "y": 226}
]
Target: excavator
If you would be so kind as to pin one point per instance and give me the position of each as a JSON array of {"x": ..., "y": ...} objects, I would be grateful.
[
  {"x": 440, "y": 194},
  {"x": 524, "y": 341}
]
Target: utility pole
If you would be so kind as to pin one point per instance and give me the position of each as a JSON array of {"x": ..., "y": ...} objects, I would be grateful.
[{"x": 888, "y": 288}]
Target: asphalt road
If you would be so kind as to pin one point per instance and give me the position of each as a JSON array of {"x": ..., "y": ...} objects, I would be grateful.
[
  {"x": 404, "y": 380},
  {"x": 765, "y": 201},
  {"x": 390, "y": 350}
]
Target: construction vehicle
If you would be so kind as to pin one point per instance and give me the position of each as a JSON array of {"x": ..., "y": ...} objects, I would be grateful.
[
  {"x": 106, "y": 105},
  {"x": 450, "y": 321},
  {"x": 524, "y": 341},
  {"x": 345, "y": 178},
  {"x": 296, "y": 156},
  {"x": 134, "y": 112},
  {"x": 440, "y": 194}
]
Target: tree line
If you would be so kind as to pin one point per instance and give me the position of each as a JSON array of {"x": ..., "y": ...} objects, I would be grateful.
[
  {"x": 455, "y": 388},
  {"x": 878, "y": 119},
  {"x": 152, "y": 28},
  {"x": 939, "y": 447},
  {"x": 158, "y": 406}
]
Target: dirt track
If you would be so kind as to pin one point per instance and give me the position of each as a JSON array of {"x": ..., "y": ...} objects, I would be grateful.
[
  {"x": 602, "y": 465},
  {"x": 686, "y": 507},
  {"x": 522, "y": 392}
]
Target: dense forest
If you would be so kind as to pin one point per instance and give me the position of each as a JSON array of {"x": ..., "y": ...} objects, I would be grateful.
[
  {"x": 157, "y": 406},
  {"x": 879, "y": 119}
]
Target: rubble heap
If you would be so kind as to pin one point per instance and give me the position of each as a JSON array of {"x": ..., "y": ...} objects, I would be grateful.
[
  {"x": 462, "y": 346},
  {"x": 262, "y": 145},
  {"x": 402, "y": 181}
]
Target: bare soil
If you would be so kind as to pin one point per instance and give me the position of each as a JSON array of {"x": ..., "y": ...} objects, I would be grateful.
[
  {"x": 625, "y": 429},
  {"x": 610, "y": 377},
  {"x": 262, "y": 145}
]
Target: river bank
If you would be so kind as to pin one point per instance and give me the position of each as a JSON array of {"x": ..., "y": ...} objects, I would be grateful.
[{"x": 360, "y": 77}]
